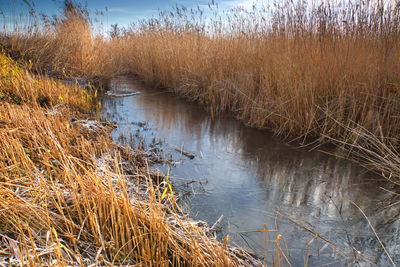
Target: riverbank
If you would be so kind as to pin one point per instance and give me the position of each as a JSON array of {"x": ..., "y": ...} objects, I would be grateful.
[{"x": 70, "y": 196}]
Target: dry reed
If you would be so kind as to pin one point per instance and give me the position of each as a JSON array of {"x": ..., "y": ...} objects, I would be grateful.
[
  {"x": 309, "y": 71},
  {"x": 312, "y": 71}
]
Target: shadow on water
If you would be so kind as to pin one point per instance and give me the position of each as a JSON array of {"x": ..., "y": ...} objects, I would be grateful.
[{"x": 257, "y": 182}]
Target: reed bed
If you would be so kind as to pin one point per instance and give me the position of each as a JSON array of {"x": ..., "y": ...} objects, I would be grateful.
[
  {"x": 63, "y": 46},
  {"x": 310, "y": 72},
  {"x": 313, "y": 72},
  {"x": 69, "y": 196}
]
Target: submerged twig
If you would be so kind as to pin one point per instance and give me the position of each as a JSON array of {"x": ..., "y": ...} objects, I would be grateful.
[{"x": 185, "y": 153}]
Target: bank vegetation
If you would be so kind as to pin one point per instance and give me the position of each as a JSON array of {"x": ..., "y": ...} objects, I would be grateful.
[
  {"x": 314, "y": 73},
  {"x": 69, "y": 196}
]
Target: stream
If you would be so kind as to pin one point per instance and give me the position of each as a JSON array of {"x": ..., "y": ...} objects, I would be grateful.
[{"x": 270, "y": 193}]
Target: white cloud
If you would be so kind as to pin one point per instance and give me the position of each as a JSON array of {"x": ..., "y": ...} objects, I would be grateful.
[
  {"x": 130, "y": 12},
  {"x": 246, "y": 4}
]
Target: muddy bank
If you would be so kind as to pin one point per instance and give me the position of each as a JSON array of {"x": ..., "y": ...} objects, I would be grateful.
[{"x": 259, "y": 183}]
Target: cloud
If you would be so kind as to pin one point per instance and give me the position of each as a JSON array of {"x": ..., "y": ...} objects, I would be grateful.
[
  {"x": 246, "y": 4},
  {"x": 130, "y": 12}
]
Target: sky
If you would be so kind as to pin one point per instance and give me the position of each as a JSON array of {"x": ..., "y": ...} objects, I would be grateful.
[{"x": 122, "y": 12}]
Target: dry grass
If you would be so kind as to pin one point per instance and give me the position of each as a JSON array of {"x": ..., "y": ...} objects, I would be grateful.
[
  {"x": 326, "y": 72},
  {"x": 19, "y": 87},
  {"x": 291, "y": 82},
  {"x": 64, "y": 46},
  {"x": 315, "y": 72},
  {"x": 65, "y": 193}
]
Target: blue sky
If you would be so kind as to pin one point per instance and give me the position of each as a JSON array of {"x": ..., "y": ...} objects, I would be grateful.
[{"x": 118, "y": 11}]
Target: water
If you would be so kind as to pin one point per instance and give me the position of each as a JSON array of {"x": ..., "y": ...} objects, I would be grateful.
[{"x": 257, "y": 182}]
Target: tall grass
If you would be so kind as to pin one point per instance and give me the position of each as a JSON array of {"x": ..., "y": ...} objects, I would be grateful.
[
  {"x": 314, "y": 66},
  {"x": 314, "y": 71},
  {"x": 317, "y": 72},
  {"x": 61, "y": 46}
]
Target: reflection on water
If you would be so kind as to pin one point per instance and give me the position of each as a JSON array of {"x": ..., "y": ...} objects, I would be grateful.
[{"x": 255, "y": 181}]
